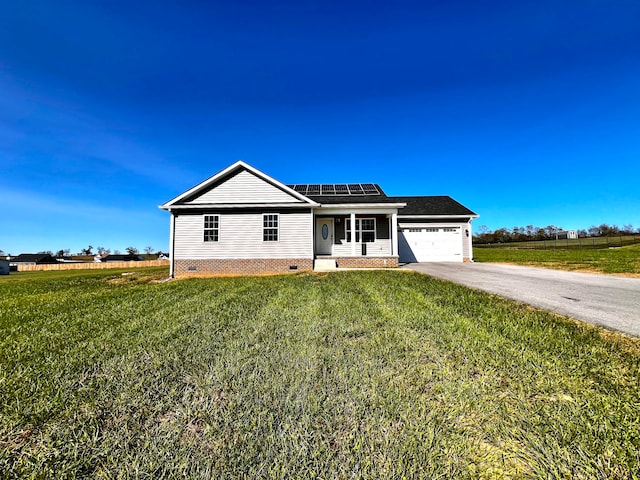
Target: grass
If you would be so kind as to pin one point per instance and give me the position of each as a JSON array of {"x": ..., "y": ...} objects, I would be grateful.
[
  {"x": 380, "y": 374},
  {"x": 624, "y": 260}
]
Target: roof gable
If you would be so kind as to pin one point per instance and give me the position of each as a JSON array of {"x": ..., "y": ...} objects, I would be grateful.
[
  {"x": 239, "y": 184},
  {"x": 243, "y": 187}
]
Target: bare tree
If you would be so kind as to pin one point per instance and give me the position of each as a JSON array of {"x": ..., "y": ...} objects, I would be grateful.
[
  {"x": 607, "y": 230},
  {"x": 131, "y": 250},
  {"x": 551, "y": 230},
  {"x": 531, "y": 231},
  {"x": 148, "y": 250}
]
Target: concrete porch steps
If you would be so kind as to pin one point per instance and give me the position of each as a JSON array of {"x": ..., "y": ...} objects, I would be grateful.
[{"x": 324, "y": 264}]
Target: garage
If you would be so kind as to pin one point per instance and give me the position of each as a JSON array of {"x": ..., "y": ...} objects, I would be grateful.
[{"x": 430, "y": 244}]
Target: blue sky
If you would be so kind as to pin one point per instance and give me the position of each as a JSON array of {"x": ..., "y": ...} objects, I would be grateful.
[{"x": 527, "y": 112}]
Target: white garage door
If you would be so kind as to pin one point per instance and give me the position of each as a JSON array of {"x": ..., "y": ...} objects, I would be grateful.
[{"x": 433, "y": 244}]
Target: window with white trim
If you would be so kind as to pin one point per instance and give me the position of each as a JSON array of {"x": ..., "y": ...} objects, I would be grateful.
[
  {"x": 211, "y": 228},
  {"x": 365, "y": 230},
  {"x": 368, "y": 230},
  {"x": 270, "y": 223}
]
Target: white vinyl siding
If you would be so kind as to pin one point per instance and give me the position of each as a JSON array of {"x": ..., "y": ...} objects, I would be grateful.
[
  {"x": 466, "y": 241},
  {"x": 244, "y": 188},
  {"x": 241, "y": 236}
]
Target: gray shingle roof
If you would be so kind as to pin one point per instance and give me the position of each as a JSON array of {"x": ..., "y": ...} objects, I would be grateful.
[
  {"x": 416, "y": 205},
  {"x": 431, "y": 205},
  {"x": 34, "y": 258}
]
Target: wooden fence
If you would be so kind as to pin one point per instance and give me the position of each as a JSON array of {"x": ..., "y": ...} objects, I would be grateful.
[{"x": 86, "y": 266}]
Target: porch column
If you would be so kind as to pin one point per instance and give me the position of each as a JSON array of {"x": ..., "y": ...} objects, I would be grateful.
[
  {"x": 394, "y": 234},
  {"x": 353, "y": 234}
]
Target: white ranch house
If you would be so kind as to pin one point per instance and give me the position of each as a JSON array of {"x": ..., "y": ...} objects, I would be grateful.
[{"x": 241, "y": 221}]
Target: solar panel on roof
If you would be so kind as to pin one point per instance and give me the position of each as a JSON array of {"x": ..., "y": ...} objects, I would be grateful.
[
  {"x": 341, "y": 189},
  {"x": 369, "y": 188},
  {"x": 355, "y": 189},
  {"x": 336, "y": 189}
]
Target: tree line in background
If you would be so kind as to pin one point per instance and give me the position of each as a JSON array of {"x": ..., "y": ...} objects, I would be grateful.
[
  {"x": 531, "y": 233},
  {"x": 106, "y": 251},
  {"x": 90, "y": 250}
]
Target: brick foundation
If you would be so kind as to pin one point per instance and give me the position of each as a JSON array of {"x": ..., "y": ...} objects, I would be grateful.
[
  {"x": 238, "y": 266},
  {"x": 366, "y": 262}
]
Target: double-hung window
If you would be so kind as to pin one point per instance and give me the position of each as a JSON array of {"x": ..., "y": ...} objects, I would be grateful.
[
  {"x": 270, "y": 227},
  {"x": 211, "y": 228},
  {"x": 368, "y": 230},
  {"x": 365, "y": 230}
]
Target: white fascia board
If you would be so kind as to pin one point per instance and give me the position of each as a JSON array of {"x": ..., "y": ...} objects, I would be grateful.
[
  {"x": 227, "y": 171},
  {"x": 226, "y": 206},
  {"x": 360, "y": 206},
  {"x": 435, "y": 216},
  {"x": 346, "y": 209}
]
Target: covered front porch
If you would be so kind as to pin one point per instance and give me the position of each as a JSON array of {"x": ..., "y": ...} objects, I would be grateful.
[{"x": 356, "y": 238}]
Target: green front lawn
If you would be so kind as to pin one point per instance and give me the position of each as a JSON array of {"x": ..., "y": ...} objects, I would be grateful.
[
  {"x": 623, "y": 260},
  {"x": 380, "y": 374}
]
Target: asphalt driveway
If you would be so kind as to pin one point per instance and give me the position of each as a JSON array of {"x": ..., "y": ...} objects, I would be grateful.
[{"x": 612, "y": 302}]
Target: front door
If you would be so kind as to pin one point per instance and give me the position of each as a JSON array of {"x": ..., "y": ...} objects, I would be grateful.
[{"x": 324, "y": 236}]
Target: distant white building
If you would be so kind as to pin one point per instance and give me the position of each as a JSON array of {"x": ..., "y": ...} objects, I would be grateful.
[{"x": 569, "y": 234}]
